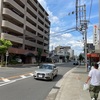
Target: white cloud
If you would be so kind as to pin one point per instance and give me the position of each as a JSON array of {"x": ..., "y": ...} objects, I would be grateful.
[
  {"x": 90, "y": 39},
  {"x": 53, "y": 19},
  {"x": 67, "y": 35},
  {"x": 76, "y": 43},
  {"x": 43, "y": 3}
]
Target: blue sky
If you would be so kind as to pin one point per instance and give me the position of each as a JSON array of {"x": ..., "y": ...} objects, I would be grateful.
[{"x": 60, "y": 21}]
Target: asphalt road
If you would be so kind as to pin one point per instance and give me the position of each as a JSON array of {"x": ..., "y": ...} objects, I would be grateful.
[{"x": 18, "y": 83}]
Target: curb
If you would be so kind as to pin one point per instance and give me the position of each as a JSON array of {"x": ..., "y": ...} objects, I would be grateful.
[{"x": 53, "y": 94}]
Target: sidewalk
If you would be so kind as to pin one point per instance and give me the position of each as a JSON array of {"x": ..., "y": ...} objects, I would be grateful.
[{"x": 70, "y": 87}]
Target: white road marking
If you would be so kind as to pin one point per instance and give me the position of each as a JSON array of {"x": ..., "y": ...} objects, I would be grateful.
[
  {"x": 5, "y": 79},
  {"x": 31, "y": 74},
  {"x": 23, "y": 76},
  {"x": 8, "y": 83}
]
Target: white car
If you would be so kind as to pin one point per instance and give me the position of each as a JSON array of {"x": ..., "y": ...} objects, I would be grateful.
[{"x": 46, "y": 72}]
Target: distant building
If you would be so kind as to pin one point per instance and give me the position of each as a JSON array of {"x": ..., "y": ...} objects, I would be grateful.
[
  {"x": 62, "y": 53},
  {"x": 62, "y": 50},
  {"x": 90, "y": 48},
  {"x": 71, "y": 53},
  {"x": 25, "y": 23}
]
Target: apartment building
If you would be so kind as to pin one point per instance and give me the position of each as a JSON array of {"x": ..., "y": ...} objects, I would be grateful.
[
  {"x": 25, "y": 23},
  {"x": 62, "y": 50},
  {"x": 62, "y": 54}
]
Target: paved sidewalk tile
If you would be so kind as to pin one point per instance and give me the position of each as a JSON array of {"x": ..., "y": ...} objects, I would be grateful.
[{"x": 72, "y": 87}]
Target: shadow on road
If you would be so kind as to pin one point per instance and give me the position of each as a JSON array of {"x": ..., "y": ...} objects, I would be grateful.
[{"x": 57, "y": 78}]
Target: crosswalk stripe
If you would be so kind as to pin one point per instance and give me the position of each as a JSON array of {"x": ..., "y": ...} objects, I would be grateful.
[
  {"x": 10, "y": 78},
  {"x": 31, "y": 74},
  {"x": 23, "y": 76},
  {"x": 5, "y": 79}
]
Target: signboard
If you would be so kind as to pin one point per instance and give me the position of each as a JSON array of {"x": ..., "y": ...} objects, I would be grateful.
[
  {"x": 95, "y": 35},
  {"x": 96, "y": 38}
]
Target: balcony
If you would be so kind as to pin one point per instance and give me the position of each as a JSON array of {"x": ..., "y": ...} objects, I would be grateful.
[
  {"x": 11, "y": 38},
  {"x": 30, "y": 34},
  {"x": 31, "y": 26},
  {"x": 29, "y": 43},
  {"x": 40, "y": 39},
  {"x": 14, "y": 4},
  {"x": 45, "y": 41},
  {"x": 11, "y": 14},
  {"x": 35, "y": 12},
  {"x": 11, "y": 26},
  {"x": 46, "y": 47},
  {"x": 32, "y": 1},
  {"x": 31, "y": 17},
  {"x": 40, "y": 46},
  {"x": 23, "y": 1}
]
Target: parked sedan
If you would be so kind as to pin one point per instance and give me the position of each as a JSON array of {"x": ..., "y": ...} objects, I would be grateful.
[{"x": 46, "y": 72}]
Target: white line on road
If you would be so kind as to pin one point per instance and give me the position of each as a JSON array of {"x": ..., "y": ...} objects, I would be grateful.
[
  {"x": 12, "y": 81},
  {"x": 5, "y": 79},
  {"x": 23, "y": 76},
  {"x": 31, "y": 74},
  {"x": 8, "y": 83}
]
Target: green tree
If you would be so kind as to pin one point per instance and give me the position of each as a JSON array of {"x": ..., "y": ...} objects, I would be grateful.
[
  {"x": 4, "y": 45},
  {"x": 81, "y": 58}
]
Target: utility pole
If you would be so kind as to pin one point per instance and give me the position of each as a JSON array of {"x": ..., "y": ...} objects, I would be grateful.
[
  {"x": 85, "y": 33},
  {"x": 99, "y": 28},
  {"x": 81, "y": 25},
  {"x": 99, "y": 21},
  {"x": 76, "y": 13}
]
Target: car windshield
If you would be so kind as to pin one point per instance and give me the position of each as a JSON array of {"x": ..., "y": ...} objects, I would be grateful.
[{"x": 45, "y": 67}]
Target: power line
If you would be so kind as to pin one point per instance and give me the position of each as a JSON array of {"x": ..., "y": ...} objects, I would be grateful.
[
  {"x": 62, "y": 32},
  {"x": 90, "y": 9}
]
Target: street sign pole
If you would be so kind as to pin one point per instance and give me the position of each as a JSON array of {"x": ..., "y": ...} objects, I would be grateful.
[{"x": 7, "y": 54}]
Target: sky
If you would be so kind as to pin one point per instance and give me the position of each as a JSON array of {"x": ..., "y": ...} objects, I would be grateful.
[{"x": 61, "y": 21}]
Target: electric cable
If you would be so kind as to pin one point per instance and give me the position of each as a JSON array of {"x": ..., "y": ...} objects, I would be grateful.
[
  {"x": 90, "y": 9},
  {"x": 61, "y": 32}
]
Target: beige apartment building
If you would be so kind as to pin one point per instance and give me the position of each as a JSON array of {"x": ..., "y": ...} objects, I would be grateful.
[{"x": 25, "y": 23}]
